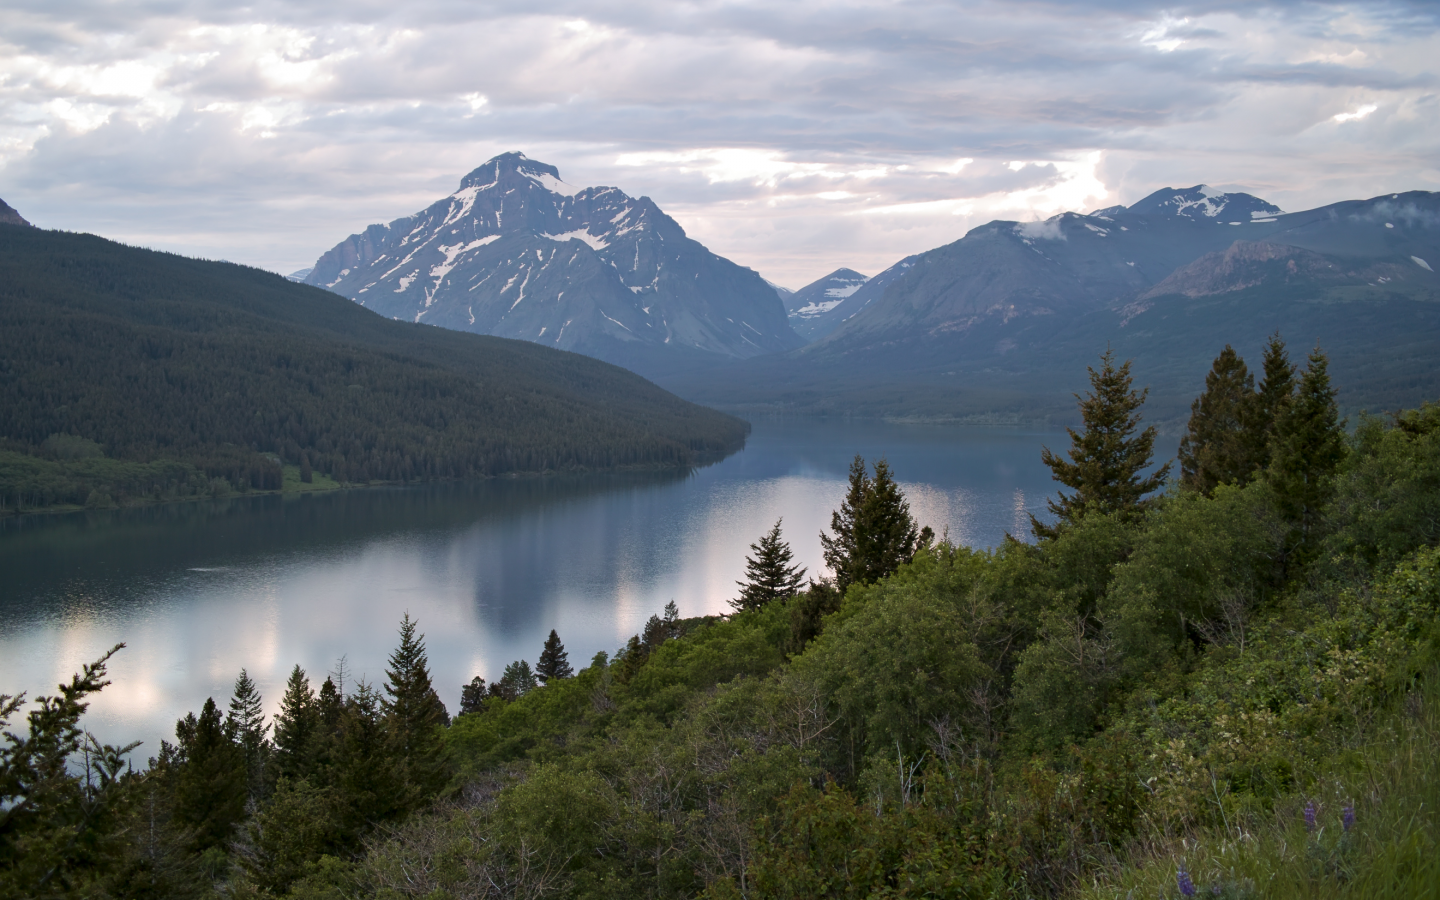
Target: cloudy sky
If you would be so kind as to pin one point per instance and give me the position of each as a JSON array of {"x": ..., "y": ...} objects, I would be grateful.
[{"x": 792, "y": 137}]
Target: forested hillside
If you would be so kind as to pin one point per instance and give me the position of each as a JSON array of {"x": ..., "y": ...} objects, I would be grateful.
[
  {"x": 129, "y": 373},
  {"x": 1225, "y": 689}
]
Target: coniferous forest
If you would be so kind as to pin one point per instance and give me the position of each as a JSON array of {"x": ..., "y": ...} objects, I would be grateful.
[
  {"x": 1220, "y": 685},
  {"x": 128, "y": 374}
]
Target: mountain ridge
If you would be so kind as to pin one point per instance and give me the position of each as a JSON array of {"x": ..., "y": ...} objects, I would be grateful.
[{"x": 604, "y": 273}]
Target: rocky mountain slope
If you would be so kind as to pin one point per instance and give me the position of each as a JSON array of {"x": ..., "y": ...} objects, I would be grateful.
[
  {"x": 8, "y": 215},
  {"x": 811, "y": 308},
  {"x": 517, "y": 252},
  {"x": 1009, "y": 316}
]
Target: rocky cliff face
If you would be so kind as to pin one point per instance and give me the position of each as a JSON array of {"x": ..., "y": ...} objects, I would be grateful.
[
  {"x": 517, "y": 252},
  {"x": 8, "y": 215}
]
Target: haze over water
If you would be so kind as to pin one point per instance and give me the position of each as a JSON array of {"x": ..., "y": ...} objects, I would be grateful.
[{"x": 198, "y": 591}]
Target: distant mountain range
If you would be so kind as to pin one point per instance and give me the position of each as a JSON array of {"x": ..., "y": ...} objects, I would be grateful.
[
  {"x": 1002, "y": 323},
  {"x": 516, "y": 252}
]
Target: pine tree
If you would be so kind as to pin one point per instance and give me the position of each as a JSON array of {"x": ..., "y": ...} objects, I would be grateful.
[
  {"x": 1307, "y": 447},
  {"x": 295, "y": 728},
  {"x": 369, "y": 777},
  {"x": 874, "y": 531},
  {"x": 472, "y": 696},
  {"x": 246, "y": 722},
  {"x": 554, "y": 662},
  {"x": 414, "y": 714},
  {"x": 1221, "y": 445},
  {"x": 517, "y": 680},
  {"x": 1107, "y": 459},
  {"x": 768, "y": 572},
  {"x": 210, "y": 787},
  {"x": 1277, "y": 387}
]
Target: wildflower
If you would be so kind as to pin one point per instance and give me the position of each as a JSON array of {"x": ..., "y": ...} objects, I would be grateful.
[
  {"x": 1348, "y": 817},
  {"x": 1310, "y": 816},
  {"x": 1183, "y": 882}
]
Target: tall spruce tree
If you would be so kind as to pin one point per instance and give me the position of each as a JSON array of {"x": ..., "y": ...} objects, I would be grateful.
[
  {"x": 769, "y": 573},
  {"x": 1108, "y": 459},
  {"x": 246, "y": 723},
  {"x": 554, "y": 662},
  {"x": 1307, "y": 447},
  {"x": 211, "y": 784},
  {"x": 296, "y": 727},
  {"x": 874, "y": 531},
  {"x": 1277, "y": 388},
  {"x": 414, "y": 714},
  {"x": 1222, "y": 444}
]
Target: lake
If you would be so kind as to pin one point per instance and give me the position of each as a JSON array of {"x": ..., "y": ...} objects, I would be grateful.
[{"x": 199, "y": 590}]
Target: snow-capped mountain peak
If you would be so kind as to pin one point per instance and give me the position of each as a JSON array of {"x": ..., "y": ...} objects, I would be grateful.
[
  {"x": 516, "y": 251},
  {"x": 1204, "y": 203}
]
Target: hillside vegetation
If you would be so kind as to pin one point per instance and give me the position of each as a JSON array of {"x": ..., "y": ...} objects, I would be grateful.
[
  {"x": 127, "y": 373},
  {"x": 1227, "y": 689}
]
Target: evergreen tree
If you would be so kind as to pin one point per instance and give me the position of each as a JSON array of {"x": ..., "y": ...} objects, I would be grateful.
[
  {"x": 554, "y": 661},
  {"x": 1108, "y": 458},
  {"x": 769, "y": 573},
  {"x": 472, "y": 696},
  {"x": 874, "y": 531},
  {"x": 370, "y": 779},
  {"x": 1221, "y": 445},
  {"x": 1277, "y": 387},
  {"x": 517, "y": 680},
  {"x": 672, "y": 618},
  {"x": 246, "y": 723},
  {"x": 414, "y": 714},
  {"x": 1307, "y": 447},
  {"x": 211, "y": 784},
  {"x": 295, "y": 728}
]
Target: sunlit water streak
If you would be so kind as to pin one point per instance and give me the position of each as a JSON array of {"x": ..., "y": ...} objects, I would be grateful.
[{"x": 199, "y": 590}]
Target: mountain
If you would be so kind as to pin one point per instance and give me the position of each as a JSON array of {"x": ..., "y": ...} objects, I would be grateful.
[
  {"x": 1003, "y": 322},
  {"x": 8, "y": 215},
  {"x": 151, "y": 357},
  {"x": 299, "y": 275},
  {"x": 811, "y": 308},
  {"x": 517, "y": 252}
]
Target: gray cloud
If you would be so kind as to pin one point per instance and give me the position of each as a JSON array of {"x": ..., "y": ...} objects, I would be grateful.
[{"x": 793, "y": 138}]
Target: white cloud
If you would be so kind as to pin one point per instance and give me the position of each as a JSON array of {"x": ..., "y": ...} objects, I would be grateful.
[{"x": 1360, "y": 113}]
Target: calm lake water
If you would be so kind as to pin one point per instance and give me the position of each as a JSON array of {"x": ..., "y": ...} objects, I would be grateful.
[{"x": 198, "y": 591}]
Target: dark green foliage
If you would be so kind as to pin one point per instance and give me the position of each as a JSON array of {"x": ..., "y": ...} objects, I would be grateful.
[
  {"x": 203, "y": 370},
  {"x": 297, "y": 729},
  {"x": 414, "y": 714},
  {"x": 1223, "y": 444},
  {"x": 554, "y": 661},
  {"x": 1306, "y": 449},
  {"x": 61, "y": 829},
  {"x": 472, "y": 696},
  {"x": 1387, "y": 503},
  {"x": 1108, "y": 459},
  {"x": 1276, "y": 388},
  {"x": 211, "y": 780},
  {"x": 769, "y": 574},
  {"x": 808, "y": 610},
  {"x": 246, "y": 724},
  {"x": 874, "y": 532}
]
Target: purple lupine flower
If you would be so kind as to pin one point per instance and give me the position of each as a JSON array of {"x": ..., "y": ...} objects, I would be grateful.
[
  {"x": 1182, "y": 881},
  {"x": 1310, "y": 816},
  {"x": 1215, "y": 889},
  {"x": 1347, "y": 818}
]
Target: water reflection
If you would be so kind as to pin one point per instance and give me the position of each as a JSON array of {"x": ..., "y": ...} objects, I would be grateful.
[{"x": 199, "y": 590}]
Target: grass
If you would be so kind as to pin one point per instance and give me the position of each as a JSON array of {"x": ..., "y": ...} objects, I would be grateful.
[
  {"x": 291, "y": 484},
  {"x": 1392, "y": 851}
]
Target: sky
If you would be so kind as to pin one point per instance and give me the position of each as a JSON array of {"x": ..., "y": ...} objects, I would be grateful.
[{"x": 791, "y": 137}]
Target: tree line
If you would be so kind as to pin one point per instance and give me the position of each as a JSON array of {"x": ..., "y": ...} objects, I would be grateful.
[{"x": 1170, "y": 663}]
